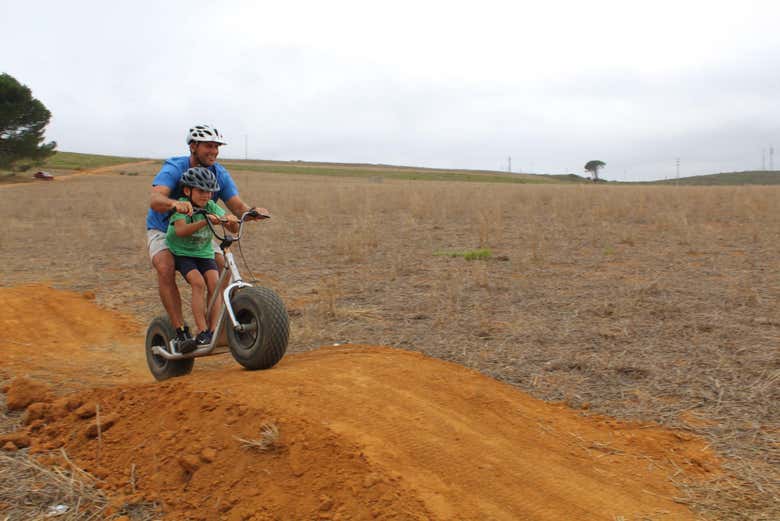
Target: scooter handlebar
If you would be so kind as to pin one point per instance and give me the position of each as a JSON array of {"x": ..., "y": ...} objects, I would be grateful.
[{"x": 251, "y": 213}]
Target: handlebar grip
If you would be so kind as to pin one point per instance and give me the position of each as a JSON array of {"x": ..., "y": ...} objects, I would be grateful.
[{"x": 254, "y": 213}]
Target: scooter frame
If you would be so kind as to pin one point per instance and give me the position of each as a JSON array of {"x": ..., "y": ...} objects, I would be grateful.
[{"x": 169, "y": 352}]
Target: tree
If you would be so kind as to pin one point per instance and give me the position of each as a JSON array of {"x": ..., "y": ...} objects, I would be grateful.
[
  {"x": 593, "y": 168},
  {"x": 22, "y": 122}
]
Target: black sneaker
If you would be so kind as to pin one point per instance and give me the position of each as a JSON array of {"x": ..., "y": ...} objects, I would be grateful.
[
  {"x": 204, "y": 338},
  {"x": 184, "y": 342}
]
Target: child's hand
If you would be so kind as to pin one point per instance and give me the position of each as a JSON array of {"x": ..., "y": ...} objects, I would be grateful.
[
  {"x": 213, "y": 218},
  {"x": 184, "y": 207}
]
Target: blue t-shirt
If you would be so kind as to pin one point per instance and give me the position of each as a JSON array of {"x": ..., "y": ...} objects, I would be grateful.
[{"x": 169, "y": 176}]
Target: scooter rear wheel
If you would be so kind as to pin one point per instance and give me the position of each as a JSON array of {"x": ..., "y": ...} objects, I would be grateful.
[
  {"x": 159, "y": 333},
  {"x": 263, "y": 341}
]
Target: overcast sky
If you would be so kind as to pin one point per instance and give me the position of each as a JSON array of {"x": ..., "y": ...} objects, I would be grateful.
[{"x": 447, "y": 84}]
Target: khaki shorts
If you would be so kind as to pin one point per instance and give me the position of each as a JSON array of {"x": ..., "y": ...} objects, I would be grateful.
[{"x": 155, "y": 243}]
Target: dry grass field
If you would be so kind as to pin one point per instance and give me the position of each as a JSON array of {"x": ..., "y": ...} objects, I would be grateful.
[{"x": 653, "y": 303}]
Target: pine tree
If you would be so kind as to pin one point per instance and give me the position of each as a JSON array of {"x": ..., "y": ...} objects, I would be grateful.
[{"x": 23, "y": 120}]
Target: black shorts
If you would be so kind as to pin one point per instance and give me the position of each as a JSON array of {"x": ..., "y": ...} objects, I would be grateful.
[{"x": 187, "y": 264}]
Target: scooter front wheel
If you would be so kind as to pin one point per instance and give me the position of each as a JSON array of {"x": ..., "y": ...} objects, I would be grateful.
[
  {"x": 159, "y": 333},
  {"x": 262, "y": 341}
]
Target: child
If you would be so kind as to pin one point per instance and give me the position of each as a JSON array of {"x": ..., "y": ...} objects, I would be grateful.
[{"x": 190, "y": 242}]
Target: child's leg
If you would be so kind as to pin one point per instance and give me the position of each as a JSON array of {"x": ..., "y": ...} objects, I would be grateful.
[
  {"x": 212, "y": 278},
  {"x": 195, "y": 280}
]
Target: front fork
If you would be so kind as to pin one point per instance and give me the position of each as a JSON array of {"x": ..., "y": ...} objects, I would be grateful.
[{"x": 235, "y": 283}]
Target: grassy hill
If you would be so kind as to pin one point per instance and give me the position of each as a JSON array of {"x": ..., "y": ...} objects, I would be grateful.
[
  {"x": 754, "y": 177},
  {"x": 64, "y": 161},
  {"x": 392, "y": 172},
  {"x": 76, "y": 161}
]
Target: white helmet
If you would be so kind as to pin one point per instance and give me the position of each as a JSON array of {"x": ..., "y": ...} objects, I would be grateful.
[{"x": 205, "y": 133}]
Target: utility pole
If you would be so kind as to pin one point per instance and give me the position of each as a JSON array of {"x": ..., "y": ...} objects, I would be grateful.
[
  {"x": 678, "y": 169},
  {"x": 246, "y": 139},
  {"x": 771, "y": 158},
  {"x": 509, "y": 167},
  {"x": 763, "y": 159}
]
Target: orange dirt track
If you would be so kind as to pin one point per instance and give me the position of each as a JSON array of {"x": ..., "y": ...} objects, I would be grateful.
[{"x": 365, "y": 432}]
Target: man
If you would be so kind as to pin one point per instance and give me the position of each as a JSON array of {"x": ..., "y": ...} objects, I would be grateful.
[{"x": 204, "y": 142}]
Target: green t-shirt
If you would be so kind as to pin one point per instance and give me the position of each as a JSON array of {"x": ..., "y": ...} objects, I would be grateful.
[{"x": 199, "y": 243}]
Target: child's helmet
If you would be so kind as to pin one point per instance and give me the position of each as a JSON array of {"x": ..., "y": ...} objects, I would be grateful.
[
  {"x": 204, "y": 133},
  {"x": 200, "y": 177}
]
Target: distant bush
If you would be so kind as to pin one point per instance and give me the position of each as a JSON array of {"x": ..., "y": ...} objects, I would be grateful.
[{"x": 469, "y": 255}]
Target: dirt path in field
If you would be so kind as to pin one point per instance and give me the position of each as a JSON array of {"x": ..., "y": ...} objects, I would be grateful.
[
  {"x": 59, "y": 178},
  {"x": 364, "y": 432},
  {"x": 104, "y": 169}
]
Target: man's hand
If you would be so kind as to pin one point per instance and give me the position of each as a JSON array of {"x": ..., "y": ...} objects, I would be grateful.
[
  {"x": 264, "y": 214},
  {"x": 239, "y": 207},
  {"x": 184, "y": 207},
  {"x": 230, "y": 218}
]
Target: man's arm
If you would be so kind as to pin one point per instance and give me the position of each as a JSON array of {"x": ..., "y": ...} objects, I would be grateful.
[
  {"x": 161, "y": 201},
  {"x": 239, "y": 207}
]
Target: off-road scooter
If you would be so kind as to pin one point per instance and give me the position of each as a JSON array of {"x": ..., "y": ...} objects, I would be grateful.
[{"x": 253, "y": 322}]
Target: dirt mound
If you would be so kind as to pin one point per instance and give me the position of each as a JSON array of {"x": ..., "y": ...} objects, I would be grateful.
[
  {"x": 35, "y": 313},
  {"x": 22, "y": 392},
  {"x": 203, "y": 455},
  {"x": 44, "y": 329},
  {"x": 358, "y": 432}
]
